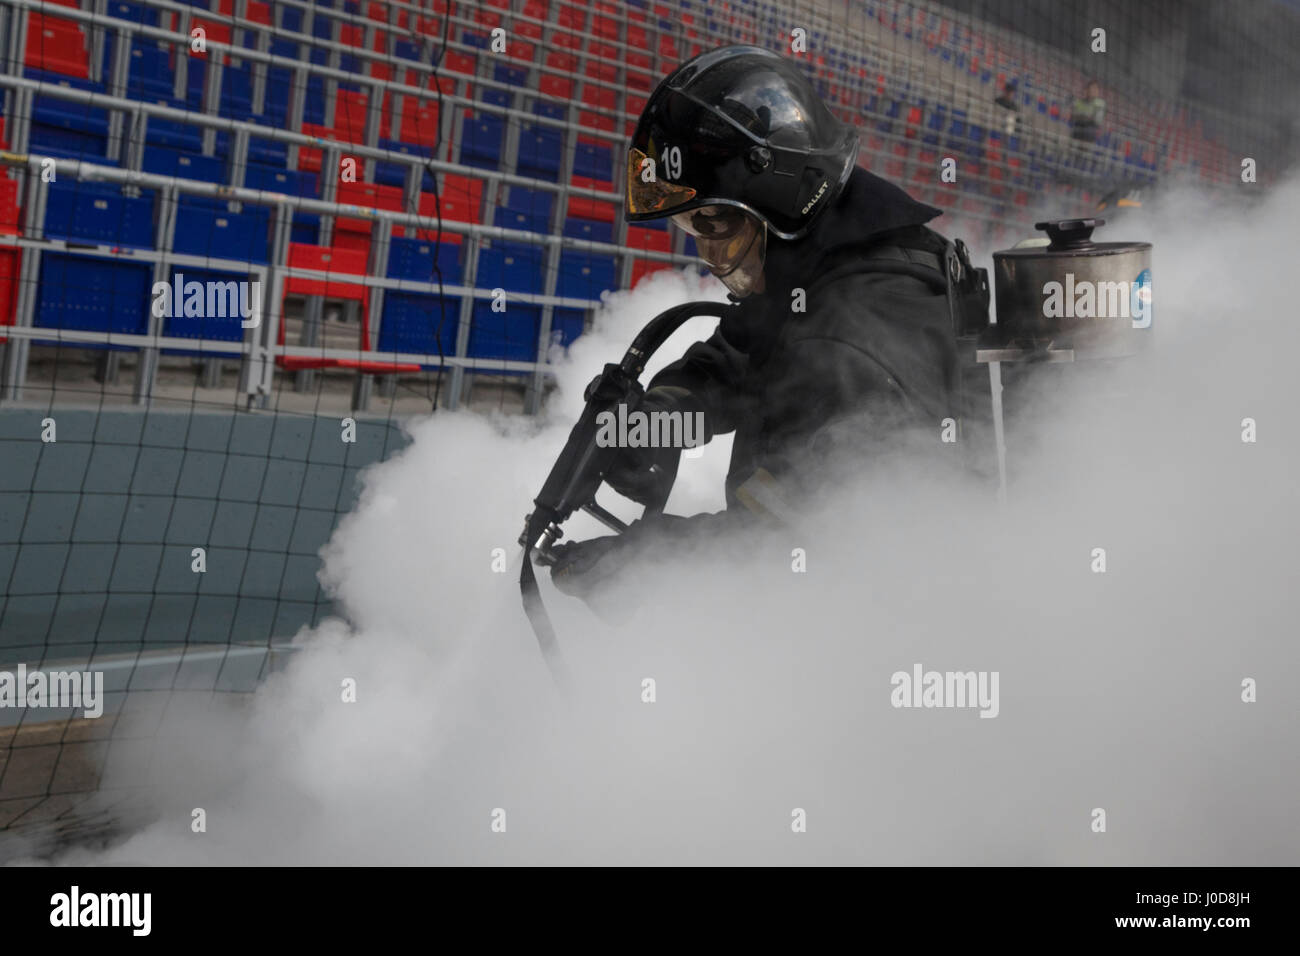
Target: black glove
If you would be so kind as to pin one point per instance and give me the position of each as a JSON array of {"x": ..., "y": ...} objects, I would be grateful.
[
  {"x": 581, "y": 567},
  {"x": 646, "y": 475}
]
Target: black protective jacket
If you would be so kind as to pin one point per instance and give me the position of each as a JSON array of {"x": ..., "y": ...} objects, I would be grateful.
[{"x": 872, "y": 355}]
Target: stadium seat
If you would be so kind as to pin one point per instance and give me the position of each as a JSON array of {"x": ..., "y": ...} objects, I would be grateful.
[
  {"x": 585, "y": 275},
  {"x": 482, "y": 138},
  {"x": 513, "y": 266},
  {"x": 459, "y": 200},
  {"x": 98, "y": 212},
  {"x": 526, "y": 209},
  {"x": 226, "y": 328},
  {"x": 340, "y": 262},
  {"x": 418, "y": 323},
  {"x": 511, "y": 335},
  {"x": 540, "y": 152},
  {"x": 414, "y": 259},
  {"x": 57, "y": 45},
  {"x": 594, "y": 159},
  {"x": 657, "y": 240},
  {"x": 207, "y": 227},
  {"x": 91, "y": 294}
]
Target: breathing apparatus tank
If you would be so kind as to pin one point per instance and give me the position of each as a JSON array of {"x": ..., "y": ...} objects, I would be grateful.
[{"x": 1064, "y": 303}]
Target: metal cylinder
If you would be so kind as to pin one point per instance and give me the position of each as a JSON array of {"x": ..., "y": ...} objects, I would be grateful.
[{"x": 1090, "y": 297}]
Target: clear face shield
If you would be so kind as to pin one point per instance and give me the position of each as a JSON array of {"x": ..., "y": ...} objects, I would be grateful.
[{"x": 732, "y": 243}]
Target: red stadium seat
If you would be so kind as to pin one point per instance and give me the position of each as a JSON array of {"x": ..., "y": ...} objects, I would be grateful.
[
  {"x": 56, "y": 45},
  {"x": 460, "y": 199},
  {"x": 574, "y": 18},
  {"x": 582, "y": 207},
  {"x": 346, "y": 262},
  {"x": 566, "y": 62},
  {"x": 656, "y": 240},
  {"x": 557, "y": 87},
  {"x": 369, "y": 196},
  {"x": 464, "y": 63}
]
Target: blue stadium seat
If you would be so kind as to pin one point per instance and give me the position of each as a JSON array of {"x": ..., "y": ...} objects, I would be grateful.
[
  {"x": 481, "y": 139},
  {"x": 527, "y": 209},
  {"x": 589, "y": 229},
  {"x": 98, "y": 212},
  {"x": 394, "y": 174},
  {"x": 514, "y": 75},
  {"x": 411, "y": 323},
  {"x": 567, "y": 325},
  {"x": 206, "y": 227},
  {"x": 173, "y": 135},
  {"x": 135, "y": 12},
  {"x": 513, "y": 266},
  {"x": 150, "y": 72},
  {"x": 226, "y": 328},
  {"x": 67, "y": 143},
  {"x": 313, "y": 107},
  {"x": 550, "y": 110},
  {"x": 584, "y": 275},
  {"x": 413, "y": 259},
  {"x": 289, "y": 182},
  {"x": 91, "y": 294},
  {"x": 50, "y": 111},
  {"x": 185, "y": 165},
  {"x": 305, "y": 228},
  {"x": 511, "y": 334},
  {"x": 593, "y": 161},
  {"x": 540, "y": 149}
]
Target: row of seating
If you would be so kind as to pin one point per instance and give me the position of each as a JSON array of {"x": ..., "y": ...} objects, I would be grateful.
[
  {"x": 482, "y": 136},
  {"x": 595, "y": 33},
  {"x": 597, "y": 61}
]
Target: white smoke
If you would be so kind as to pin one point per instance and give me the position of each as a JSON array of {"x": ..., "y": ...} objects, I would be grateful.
[{"x": 1119, "y": 691}]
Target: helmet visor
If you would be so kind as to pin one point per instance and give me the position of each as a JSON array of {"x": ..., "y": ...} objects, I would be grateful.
[
  {"x": 732, "y": 243},
  {"x": 649, "y": 190}
]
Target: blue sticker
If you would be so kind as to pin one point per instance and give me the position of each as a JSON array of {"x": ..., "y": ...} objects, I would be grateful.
[{"x": 1140, "y": 300}]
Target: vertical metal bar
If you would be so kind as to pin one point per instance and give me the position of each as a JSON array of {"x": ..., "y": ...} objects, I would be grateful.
[
  {"x": 133, "y": 159},
  {"x": 19, "y": 24},
  {"x": 329, "y": 179},
  {"x": 20, "y": 120},
  {"x": 999, "y": 436},
  {"x": 96, "y": 38},
  {"x": 379, "y": 247},
  {"x": 260, "y": 69},
  {"x": 459, "y": 383},
  {"x": 120, "y": 69},
  {"x": 257, "y": 370},
  {"x": 146, "y": 370},
  {"x": 297, "y": 104},
  {"x": 182, "y": 53},
  {"x": 333, "y": 62},
  {"x": 211, "y": 99}
]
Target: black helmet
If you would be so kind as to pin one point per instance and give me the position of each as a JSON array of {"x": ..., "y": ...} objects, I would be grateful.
[{"x": 739, "y": 126}]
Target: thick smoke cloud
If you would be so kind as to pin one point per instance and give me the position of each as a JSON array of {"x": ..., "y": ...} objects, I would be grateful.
[{"x": 1119, "y": 691}]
